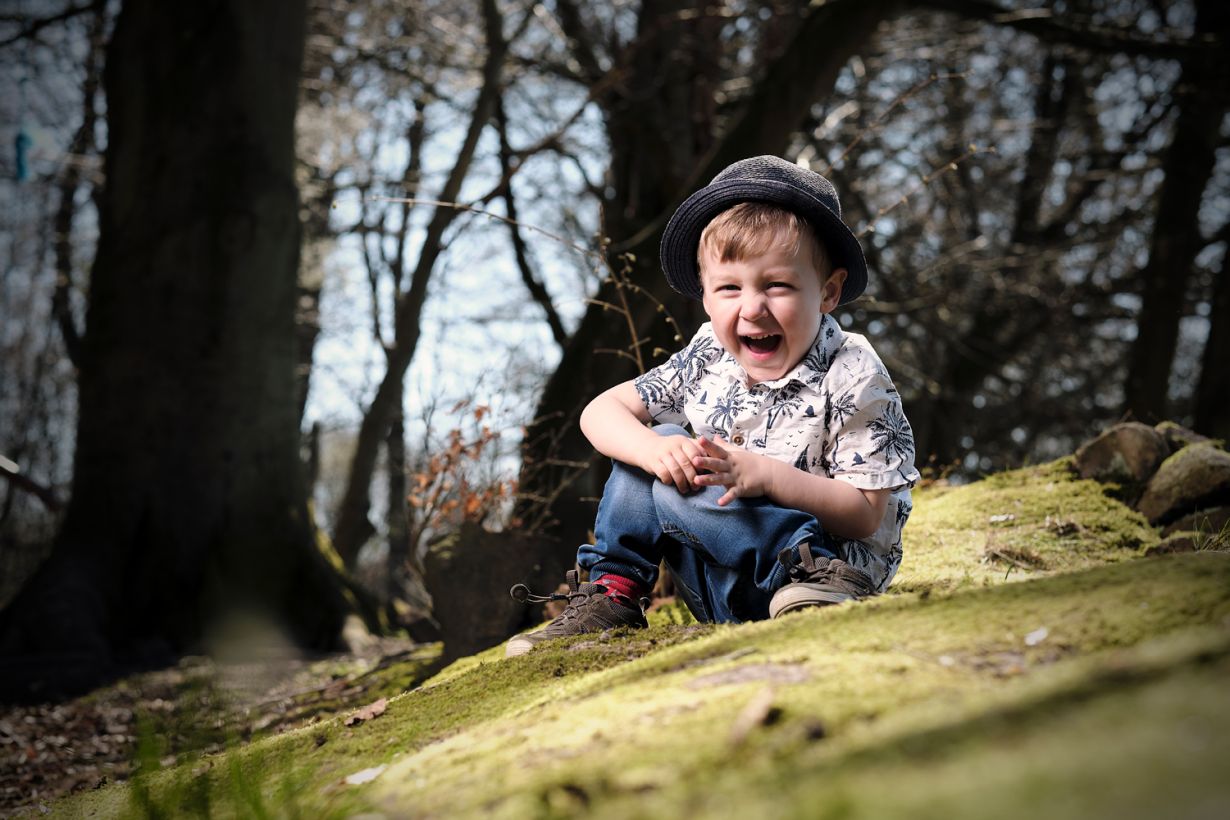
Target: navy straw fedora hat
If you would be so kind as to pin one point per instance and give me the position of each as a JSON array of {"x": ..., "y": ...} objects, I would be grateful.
[{"x": 774, "y": 181}]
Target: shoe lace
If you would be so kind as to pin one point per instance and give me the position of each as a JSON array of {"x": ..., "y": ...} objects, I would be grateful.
[
  {"x": 521, "y": 593},
  {"x": 824, "y": 570},
  {"x": 574, "y": 596}
]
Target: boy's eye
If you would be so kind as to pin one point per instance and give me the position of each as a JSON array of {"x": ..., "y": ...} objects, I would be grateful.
[{"x": 780, "y": 285}]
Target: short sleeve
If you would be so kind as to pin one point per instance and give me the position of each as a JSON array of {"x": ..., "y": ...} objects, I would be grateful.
[
  {"x": 871, "y": 445},
  {"x": 665, "y": 389}
]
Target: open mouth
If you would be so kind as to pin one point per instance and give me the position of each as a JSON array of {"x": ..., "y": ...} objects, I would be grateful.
[{"x": 763, "y": 344}]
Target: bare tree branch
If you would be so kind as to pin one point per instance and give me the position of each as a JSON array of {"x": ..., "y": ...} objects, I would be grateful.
[
  {"x": 580, "y": 41},
  {"x": 536, "y": 288},
  {"x": 365, "y": 232},
  {"x": 1072, "y": 30},
  {"x": 1100, "y": 163},
  {"x": 353, "y": 527},
  {"x": 416, "y": 135},
  {"x": 785, "y": 92},
  {"x": 14, "y": 475},
  {"x": 82, "y": 142},
  {"x": 35, "y": 26}
]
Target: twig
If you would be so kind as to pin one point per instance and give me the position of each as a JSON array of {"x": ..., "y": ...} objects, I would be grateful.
[
  {"x": 627, "y": 312},
  {"x": 538, "y": 290},
  {"x": 461, "y": 206},
  {"x": 991, "y": 552},
  {"x": 10, "y": 470},
  {"x": 625, "y": 354},
  {"x": 38, "y": 25},
  {"x": 659, "y": 306},
  {"x": 564, "y": 462},
  {"x": 884, "y": 116},
  {"x": 926, "y": 180}
]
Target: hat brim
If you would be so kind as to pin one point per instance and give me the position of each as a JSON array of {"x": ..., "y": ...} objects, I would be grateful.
[{"x": 682, "y": 235}]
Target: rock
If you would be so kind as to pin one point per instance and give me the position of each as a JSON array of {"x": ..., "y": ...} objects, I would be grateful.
[
  {"x": 1177, "y": 436},
  {"x": 1196, "y": 476},
  {"x": 1179, "y": 542},
  {"x": 1127, "y": 453},
  {"x": 1208, "y": 522}
]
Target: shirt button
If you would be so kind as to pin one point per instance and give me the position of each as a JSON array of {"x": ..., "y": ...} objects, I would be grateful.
[{"x": 737, "y": 439}]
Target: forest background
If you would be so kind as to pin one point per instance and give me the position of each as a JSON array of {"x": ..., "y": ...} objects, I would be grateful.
[{"x": 267, "y": 273}]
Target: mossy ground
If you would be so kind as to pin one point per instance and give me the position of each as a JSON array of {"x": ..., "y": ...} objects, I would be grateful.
[
  {"x": 1016, "y": 525},
  {"x": 1087, "y": 686}
]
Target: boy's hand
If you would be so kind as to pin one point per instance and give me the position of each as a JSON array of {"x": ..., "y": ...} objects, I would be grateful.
[
  {"x": 745, "y": 474},
  {"x": 670, "y": 459}
]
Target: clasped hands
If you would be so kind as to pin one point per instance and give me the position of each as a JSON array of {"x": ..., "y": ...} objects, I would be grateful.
[{"x": 691, "y": 464}]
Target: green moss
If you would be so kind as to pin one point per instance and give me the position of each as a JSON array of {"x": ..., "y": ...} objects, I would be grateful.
[
  {"x": 1141, "y": 735},
  {"x": 1190, "y": 454},
  {"x": 650, "y": 735},
  {"x": 675, "y": 612},
  {"x": 1015, "y": 525},
  {"x": 970, "y": 696}
]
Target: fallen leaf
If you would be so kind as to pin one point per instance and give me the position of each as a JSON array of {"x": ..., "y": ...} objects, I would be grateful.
[
  {"x": 372, "y": 710},
  {"x": 365, "y": 776}
]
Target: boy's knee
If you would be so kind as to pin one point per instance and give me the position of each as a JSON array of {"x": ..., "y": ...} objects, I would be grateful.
[
  {"x": 625, "y": 477},
  {"x": 670, "y": 430},
  {"x": 668, "y": 499}
]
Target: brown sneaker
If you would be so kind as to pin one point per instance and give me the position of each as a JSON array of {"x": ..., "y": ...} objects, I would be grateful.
[
  {"x": 818, "y": 582},
  {"x": 589, "y": 609}
]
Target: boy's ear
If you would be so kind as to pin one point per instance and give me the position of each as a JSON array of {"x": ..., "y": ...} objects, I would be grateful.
[{"x": 830, "y": 291}]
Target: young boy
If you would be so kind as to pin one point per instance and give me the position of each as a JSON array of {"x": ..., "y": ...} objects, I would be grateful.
[{"x": 793, "y": 487}]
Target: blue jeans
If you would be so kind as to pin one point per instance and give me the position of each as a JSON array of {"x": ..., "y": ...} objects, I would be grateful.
[{"x": 723, "y": 559}]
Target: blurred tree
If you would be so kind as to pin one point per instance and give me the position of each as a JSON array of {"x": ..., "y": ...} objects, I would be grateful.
[
  {"x": 385, "y": 234},
  {"x": 188, "y": 502},
  {"x": 1202, "y": 97},
  {"x": 1001, "y": 298},
  {"x": 47, "y": 228},
  {"x": 1212, "y": 412}
]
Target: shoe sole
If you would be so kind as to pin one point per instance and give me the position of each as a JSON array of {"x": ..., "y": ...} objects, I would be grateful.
[
  {"x": 801, "y": 596},
  {"x": 521, "y": 644},
  {"x": 517, "y": 646}
]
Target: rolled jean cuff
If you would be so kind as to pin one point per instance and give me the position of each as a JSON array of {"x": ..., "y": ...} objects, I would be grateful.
[{"x": 607, "y": 566}]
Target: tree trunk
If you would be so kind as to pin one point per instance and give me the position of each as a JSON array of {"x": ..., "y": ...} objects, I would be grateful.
[
  {"x": 1188, "y": 166},
  {"x": 188, "y": 503},
  {"x": 1212, "y": 409},
  {"x": 942, "y": 422},
  {"x": 398, "y": 565}
]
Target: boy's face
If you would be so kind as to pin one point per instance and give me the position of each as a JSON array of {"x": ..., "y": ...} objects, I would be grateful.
[{"x": 766, "y": 310}]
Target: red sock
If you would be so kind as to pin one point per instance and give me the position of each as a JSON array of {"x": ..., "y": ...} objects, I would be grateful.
[{"x": 618, "y": 587}]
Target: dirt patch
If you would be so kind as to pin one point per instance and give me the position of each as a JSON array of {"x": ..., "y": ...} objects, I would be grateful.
[
  {"x": 50, "y": 750},
  {"x": 772, "y": 673}
]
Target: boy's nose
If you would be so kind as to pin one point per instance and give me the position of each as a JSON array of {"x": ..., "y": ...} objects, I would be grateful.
[{"x": 753, "y": 306}]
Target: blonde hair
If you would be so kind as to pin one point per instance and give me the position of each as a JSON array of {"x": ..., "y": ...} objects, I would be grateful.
[{"x": 751, "y": 229}]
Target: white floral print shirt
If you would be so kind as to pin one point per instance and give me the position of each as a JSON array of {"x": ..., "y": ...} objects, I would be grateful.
[{"x": 836, "y": 414}]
